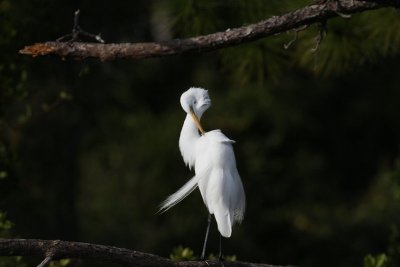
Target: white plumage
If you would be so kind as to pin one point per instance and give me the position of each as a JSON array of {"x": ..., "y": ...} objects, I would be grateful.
[{"x": 211, "y": 154}]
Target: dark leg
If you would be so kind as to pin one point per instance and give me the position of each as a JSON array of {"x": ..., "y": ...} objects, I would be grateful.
[
  {"x": 220, "y": 248},
  {"x": 203, "y": 252},
  {"x": 220, "y": 257}
]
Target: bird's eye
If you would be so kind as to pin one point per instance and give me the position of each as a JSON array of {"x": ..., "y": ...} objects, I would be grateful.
[{"x": 195, "y": 102}]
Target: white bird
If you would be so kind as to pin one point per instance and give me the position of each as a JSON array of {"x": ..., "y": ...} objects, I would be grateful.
[{"x": 212, "y": 156}]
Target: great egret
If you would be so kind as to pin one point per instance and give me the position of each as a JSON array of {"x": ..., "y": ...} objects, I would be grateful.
[{"x": 212, "y": 156}]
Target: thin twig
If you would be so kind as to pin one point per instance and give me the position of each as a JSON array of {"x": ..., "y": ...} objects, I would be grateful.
[
  {"x": 45, "y": 262},
  {"x": 77, "y": 31},
  {"x": 321, "y": 34},
  {"x": 296, "y": 33}
]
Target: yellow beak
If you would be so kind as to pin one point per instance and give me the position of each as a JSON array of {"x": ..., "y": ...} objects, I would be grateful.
[{"x": 196, "y": 121}]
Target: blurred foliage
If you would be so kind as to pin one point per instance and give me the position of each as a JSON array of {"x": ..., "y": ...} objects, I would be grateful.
[
  {"x": 5, "y": 227},
  {"x": 391, "y": 258},
  {"x": 379, "y": 260},
  {"x": 88, "y": 149},
  {"x": 342, "y": 51},
  {"x": 60, "y": 263},
  {"x": 225, "y": 258},
  {"x": 12, "y": 262},
  {"x": 180, "y": 254}
]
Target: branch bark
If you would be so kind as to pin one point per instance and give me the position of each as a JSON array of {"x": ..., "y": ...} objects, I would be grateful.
[
  {"x": 57, "y": 249},
  {"x": 277, "y": 24}
]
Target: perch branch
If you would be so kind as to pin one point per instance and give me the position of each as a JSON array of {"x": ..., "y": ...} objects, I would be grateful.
[
  {"x": 57, "y": 249},
  {"x": 277, "y": 24}
]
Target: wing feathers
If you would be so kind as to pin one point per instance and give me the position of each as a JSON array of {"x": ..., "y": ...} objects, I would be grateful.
[{"x": 179, "y": 195}]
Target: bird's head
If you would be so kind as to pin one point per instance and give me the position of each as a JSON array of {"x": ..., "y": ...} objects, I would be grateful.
[{"x": 195, "y": 102}]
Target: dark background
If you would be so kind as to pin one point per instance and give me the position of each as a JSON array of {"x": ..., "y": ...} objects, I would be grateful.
[{"x": 89, "y": 149}]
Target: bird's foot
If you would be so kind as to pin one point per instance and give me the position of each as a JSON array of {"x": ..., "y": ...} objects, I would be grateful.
[
  {"x": 221, "y": 260},
  {"x": 203, "y": 259},
  {"x": 221, "y": 257}
]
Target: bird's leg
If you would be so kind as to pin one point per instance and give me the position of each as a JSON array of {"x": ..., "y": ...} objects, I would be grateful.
[
  {"x": 203, "y": 252},
  {"x": 220, "y": 257},
  {"x": 220, "y": 248}
]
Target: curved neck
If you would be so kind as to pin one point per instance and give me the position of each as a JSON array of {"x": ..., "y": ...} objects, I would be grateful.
[
  {"x": 187, "y": 140},
  {"x": 189, "y": 128}
]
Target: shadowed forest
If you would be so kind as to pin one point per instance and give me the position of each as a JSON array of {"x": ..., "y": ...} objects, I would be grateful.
[{"x": 89, "y": 149}]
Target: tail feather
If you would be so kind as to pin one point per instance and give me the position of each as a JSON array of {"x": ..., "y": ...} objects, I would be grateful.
[
  {"x": 179, "y": 195},
  {"x": 224, "y": 222}
]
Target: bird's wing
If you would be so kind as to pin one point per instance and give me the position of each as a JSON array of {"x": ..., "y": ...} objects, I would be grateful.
[
  {"x": 237, "y": 201},
  {"x": 218, "y": 201},
  {"x": 218, "y": 136},
  {"x": 219, "y": 180},
  {"x": 179, "y": 195},
  {"x": 225, "y": 198}
]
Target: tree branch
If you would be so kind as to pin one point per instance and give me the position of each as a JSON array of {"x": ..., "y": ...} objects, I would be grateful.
[
  {"x": 277, "y": 24},
  {"x": 57, "y": 249}
]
